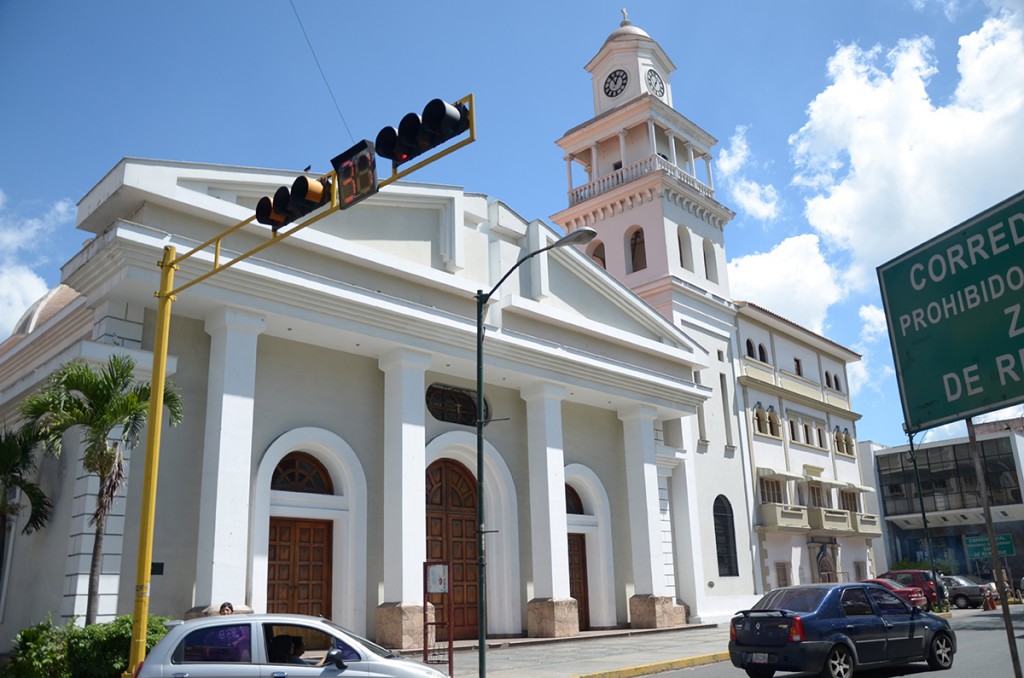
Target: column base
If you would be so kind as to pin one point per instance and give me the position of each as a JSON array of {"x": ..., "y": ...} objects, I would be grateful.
[
  {"x": 550, "y": 618},
  {"x": 400, "y": 625},
  {"x": 655, "y": 612}
]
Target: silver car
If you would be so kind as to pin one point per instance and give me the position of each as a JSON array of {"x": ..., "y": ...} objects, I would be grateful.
[{"x": 272, "y": 646}]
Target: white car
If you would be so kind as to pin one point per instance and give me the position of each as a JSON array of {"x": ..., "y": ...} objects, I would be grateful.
[{"x": 278, "y": 645}]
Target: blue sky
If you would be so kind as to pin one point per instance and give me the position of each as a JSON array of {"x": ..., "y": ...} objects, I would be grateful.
[{"x": 849, "y": 131}]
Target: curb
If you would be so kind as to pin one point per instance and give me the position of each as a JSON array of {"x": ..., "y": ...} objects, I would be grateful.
[{"x": 658, "y": 667}]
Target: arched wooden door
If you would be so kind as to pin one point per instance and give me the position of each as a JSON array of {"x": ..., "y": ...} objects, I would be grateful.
[
  {"x": 300, "y": 550},
  {"x": 578, "y": 585},
  {"x": 451, "y": 537}
]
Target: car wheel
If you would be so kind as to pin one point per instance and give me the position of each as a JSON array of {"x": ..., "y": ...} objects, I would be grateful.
[
  {"x": 940, "y": 652},
  {"x": 839, "y": 663},
  {"x": 961, "y": 602},
  {"x": 759, "y": 672}
]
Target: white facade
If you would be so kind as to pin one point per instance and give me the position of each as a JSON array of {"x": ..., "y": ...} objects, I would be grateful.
[{"x": 326, "y": 344}]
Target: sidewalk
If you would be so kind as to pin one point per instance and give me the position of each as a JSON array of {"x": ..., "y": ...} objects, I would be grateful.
[{"x": 593, "y": 654}]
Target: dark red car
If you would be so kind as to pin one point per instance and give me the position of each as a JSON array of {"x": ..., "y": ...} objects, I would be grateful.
[{"x": 914, "y": 596}]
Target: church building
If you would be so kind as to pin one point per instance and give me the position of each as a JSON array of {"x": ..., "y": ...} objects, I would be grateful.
[{"x": 328, "y": 448}]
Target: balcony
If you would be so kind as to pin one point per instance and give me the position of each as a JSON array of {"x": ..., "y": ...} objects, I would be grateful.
[
  {"x": 783, "y": 518},
  {"x": 866, "y": 524},
  {"x": 830, "y": 521},
  {"x": 649, "y": 165}
]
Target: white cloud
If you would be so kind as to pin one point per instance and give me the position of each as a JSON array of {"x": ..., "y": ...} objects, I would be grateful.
[
  {"x": 22, "y": 244},
  {"x": 733, "y": 158},
  {"x": 760, "y": 201},
  {"x": 873, "y": 323},
  {"x": 889, "y": 168},
  {"x": 20, "y": 287},
  {"x": 793, "y": 280}
]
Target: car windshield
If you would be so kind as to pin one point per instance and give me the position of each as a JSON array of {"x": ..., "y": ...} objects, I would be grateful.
[
  {"x": 368, "y": 644},
  {"x": 793, "y": 599}
]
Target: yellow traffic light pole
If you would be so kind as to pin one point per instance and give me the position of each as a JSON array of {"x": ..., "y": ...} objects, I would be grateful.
[{"x": 167, "y": 294}]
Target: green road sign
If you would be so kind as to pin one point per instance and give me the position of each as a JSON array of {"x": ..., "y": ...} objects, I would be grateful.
[
  {"x": 955, "y": 310},
  {"x": 978, "y": 546}
]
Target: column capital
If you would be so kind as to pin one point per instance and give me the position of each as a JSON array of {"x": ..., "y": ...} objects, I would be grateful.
[
  {"x": 227, "y": 318},
  {"x": 638, "y": 411},
  {"x": 405, "y": 358},
  {"x": 543, "y": 390}
]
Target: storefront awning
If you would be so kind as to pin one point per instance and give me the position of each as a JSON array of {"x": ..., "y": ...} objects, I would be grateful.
[{"x": 765, "y": 472}]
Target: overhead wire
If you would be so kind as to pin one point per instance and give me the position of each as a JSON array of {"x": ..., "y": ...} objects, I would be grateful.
[{"x": 320, "y": 68}]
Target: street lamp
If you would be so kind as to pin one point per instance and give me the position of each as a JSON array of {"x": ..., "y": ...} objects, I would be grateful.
[{"x": 580, "y": 236}]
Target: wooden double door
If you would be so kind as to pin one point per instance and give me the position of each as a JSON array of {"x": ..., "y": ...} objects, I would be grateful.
[
  {"x": 299, "y": 566},
  {"x": 451, "y": 537}
]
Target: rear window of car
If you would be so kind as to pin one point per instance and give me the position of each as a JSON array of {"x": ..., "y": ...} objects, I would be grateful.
[
  {"x": 226, "y": 643},
  {"x": 795, "y": 600}
]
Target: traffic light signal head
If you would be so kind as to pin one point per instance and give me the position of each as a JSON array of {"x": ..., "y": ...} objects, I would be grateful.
[
  {"x": 417, "y": 134},
  {"x": 287, "y": 205}
]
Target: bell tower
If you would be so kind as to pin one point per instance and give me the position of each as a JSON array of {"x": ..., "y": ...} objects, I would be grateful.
[{"x": 640, "y": 174}]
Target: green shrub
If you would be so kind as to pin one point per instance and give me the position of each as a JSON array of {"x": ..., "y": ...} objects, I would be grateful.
[
  {"x": 96, "y": 651},
  {"x": 41, "y": 651}
]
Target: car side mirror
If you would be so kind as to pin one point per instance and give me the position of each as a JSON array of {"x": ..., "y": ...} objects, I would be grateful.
[{"x": 335, "y": 656}]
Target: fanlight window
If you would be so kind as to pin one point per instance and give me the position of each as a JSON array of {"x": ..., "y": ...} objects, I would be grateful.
[{"x": 301, "y": 472}]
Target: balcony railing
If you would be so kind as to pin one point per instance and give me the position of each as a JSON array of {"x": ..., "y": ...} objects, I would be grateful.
[
  {"x": 635, "y": 171},
  {"x": 829, "y": 520},
  {"x": 784, "y": 518},
  {"x": 866, "y": 524}
]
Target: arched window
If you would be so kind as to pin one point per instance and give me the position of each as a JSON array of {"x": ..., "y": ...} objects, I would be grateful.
[
  {"x": 573, "y": 503},
  {"x": 760, "y": 421},
  {"x": 637, "y": 251},
  {"x": 710, "y": 261},
  {"x": 762, "y": 354},
  {"x": 849, "y": 442},
  {"x": 301, "y": 472},
  {"x": 685, "y": 249},
  {"x": 750, "y": 349},
  {"x": 837, "y": 384},
  {"x": 828, "y": 379},
  {"x": 725, "y": 538},
  {"x": 840, "y": 441},
  {"x": 597, "y": 253},
  {"x": 773, "y": 423}
]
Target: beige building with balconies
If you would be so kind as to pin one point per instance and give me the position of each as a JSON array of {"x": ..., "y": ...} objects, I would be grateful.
[{"x": 809, "y": 518}]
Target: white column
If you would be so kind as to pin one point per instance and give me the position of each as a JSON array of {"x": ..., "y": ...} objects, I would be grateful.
[
  {"x": 593, "y": 163},
  {"x": 651, "y": 138},
  {"x": 672, "y": 149},
  {"x": 568, "y": 172},
  {"x": 642, "y": 493},
  {"x": 622, "y": 146},
  {"x": 223, "y": 549},
  {"x": 405, "y": 507},
  {"x": 548, "y": 527},
  {"x": 707, "y": 164},
  {"x": 693, "y": 166}
]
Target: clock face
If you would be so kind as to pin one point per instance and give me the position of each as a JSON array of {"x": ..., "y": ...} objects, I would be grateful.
[
  {"x": 615, "y": 83},
  {"x": 655, "y": 84}
]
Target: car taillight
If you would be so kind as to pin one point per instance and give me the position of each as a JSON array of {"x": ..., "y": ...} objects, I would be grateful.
[
  {"x": 732, "y": 631},
  {"x": 796, "y": 630}
]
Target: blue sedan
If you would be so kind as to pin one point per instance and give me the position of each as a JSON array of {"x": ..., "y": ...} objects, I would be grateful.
[{"x": 833, "y": 629}]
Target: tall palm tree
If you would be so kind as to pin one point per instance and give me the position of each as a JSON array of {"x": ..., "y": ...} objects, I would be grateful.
[
  {"x": 111, "y": 408},
  {"x": 17, "y": 463}
]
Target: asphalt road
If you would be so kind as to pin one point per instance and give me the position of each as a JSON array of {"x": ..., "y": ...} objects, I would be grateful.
[{"x": 982, "y": 652}]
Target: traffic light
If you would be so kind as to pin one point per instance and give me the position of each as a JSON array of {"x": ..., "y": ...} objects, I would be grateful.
[
  {"x": 417, "y": 134},
  {"x": 356, "y": 171},
  {"x": 287, "y": 205}
]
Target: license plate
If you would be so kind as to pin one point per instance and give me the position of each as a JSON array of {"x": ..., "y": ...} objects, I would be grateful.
[{"x": 759, "y": 658}]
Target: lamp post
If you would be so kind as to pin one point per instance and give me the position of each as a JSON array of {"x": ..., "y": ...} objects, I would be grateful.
[{"x": 580, "y": 236}]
